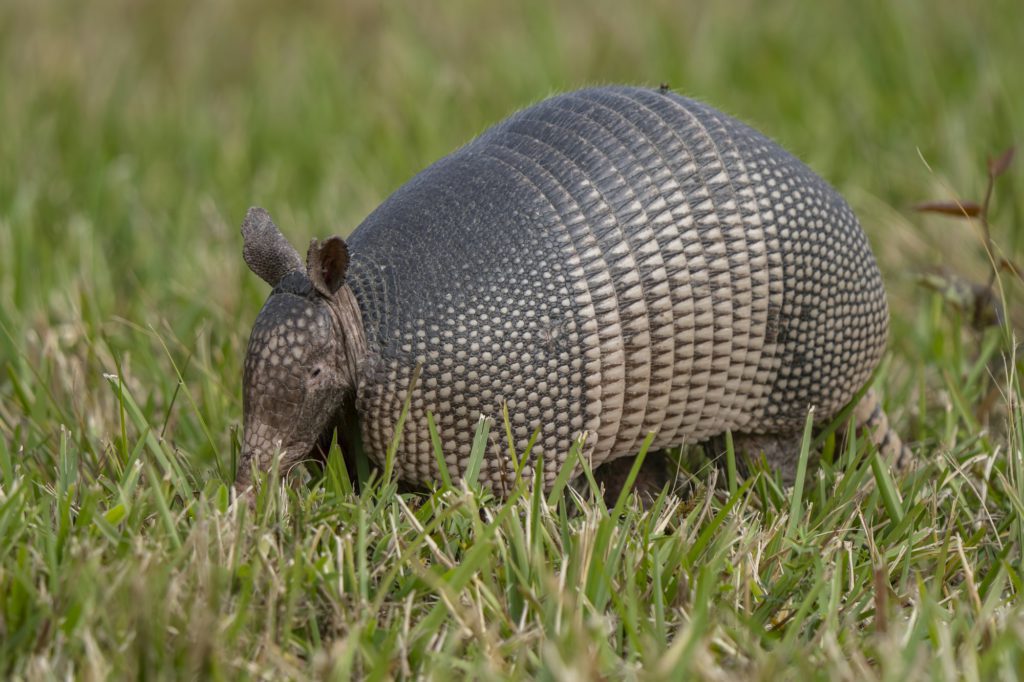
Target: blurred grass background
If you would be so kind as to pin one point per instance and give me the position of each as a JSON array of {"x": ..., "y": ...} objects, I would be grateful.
[{"x": 134, "y": 135}]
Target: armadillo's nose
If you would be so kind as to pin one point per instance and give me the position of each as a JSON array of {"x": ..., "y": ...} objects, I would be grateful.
[
  {"x": 243, "y": 476},
  {"x": 261, "y": 445},
  {"x": 243, "y": 486},
  {"x": 257, "y": 452}
]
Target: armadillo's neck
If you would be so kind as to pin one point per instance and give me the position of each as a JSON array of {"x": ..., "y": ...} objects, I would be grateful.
[{"x": 348, "y": 323}]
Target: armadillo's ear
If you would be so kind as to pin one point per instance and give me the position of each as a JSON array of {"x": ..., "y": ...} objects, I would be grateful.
[
  {"x": 326, "y": 264},
  {"x": 265, "y": 249}
]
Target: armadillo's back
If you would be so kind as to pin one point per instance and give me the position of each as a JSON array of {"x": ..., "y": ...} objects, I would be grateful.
[{"x": 612, "y": 261}]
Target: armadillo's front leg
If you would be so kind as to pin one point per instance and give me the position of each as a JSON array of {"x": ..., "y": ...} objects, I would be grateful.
[{"x": 656, "y": 471}]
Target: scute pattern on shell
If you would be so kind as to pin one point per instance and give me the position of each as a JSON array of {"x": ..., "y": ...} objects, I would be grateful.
[{"x": 612, "y": 261}]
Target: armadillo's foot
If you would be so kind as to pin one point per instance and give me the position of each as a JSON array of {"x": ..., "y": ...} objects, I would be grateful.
[
  {"x": 654, "y": 473},
  {"x": 776, "y": 452}
]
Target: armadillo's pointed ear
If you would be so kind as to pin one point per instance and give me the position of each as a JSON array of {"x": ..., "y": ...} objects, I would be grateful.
[
  {"x": 265, "y": 249},
  {"x": 326, "y": 264}
]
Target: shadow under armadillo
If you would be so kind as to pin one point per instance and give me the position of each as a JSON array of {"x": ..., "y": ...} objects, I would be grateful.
[{"x": 660, "y": 471}]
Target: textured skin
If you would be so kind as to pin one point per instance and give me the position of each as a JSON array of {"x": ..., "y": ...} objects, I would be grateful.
[{"x": 611, "y": 261}]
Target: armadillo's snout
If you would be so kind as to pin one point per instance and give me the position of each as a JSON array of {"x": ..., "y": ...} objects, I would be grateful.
[
  {"x": 273, "y": 390},
  {"x": 258, "y": 453},
  {"x": 277, "y": 430},
  {"x": 270, "y": 450}
]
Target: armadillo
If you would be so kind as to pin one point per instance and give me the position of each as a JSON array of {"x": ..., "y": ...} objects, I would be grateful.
[{"x": 605, "y": 264}]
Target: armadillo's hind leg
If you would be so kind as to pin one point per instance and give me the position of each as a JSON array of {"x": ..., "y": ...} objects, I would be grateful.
[
  {"x": 774, "y": 451},
  {"x": 781, "y": 452},
  {"x": 869, "y": 419}
]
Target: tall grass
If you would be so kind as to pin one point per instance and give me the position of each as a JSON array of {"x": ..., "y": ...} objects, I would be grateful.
[{"x": 136, "y": 135}]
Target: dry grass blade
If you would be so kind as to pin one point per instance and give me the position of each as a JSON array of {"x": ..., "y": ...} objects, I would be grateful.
[
  {"x": 1007, "y": 265},
  {"x": 957, "y": 209},
  {"x": 1001, "y": 163}
]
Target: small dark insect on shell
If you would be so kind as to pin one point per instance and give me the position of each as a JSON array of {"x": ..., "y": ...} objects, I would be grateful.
[
  {"x": 664, "y": 88},
  {"x": 551, "y": 331}
]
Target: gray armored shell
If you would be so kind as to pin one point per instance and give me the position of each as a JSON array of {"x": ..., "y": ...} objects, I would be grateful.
[{"x": 612, "y": 261}]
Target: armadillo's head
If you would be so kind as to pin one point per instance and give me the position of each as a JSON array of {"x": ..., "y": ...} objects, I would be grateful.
[{"x": 301, "y": 362}]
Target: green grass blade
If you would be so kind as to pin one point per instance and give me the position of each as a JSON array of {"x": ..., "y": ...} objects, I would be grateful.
[{"x": 796, "y": 504}]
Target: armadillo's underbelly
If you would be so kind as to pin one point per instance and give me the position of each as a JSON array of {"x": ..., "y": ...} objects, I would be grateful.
[{"x": 611, "y": 262}]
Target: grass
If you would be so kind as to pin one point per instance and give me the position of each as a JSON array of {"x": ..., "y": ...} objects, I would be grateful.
[{"x": 136, "y": 135}]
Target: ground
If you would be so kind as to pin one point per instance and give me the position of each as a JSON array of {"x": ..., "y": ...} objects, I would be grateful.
[{"x": 135, "y": 136}]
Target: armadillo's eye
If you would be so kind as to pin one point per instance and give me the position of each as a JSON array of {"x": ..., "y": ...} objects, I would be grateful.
[{"x": 315, "y": 373}]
